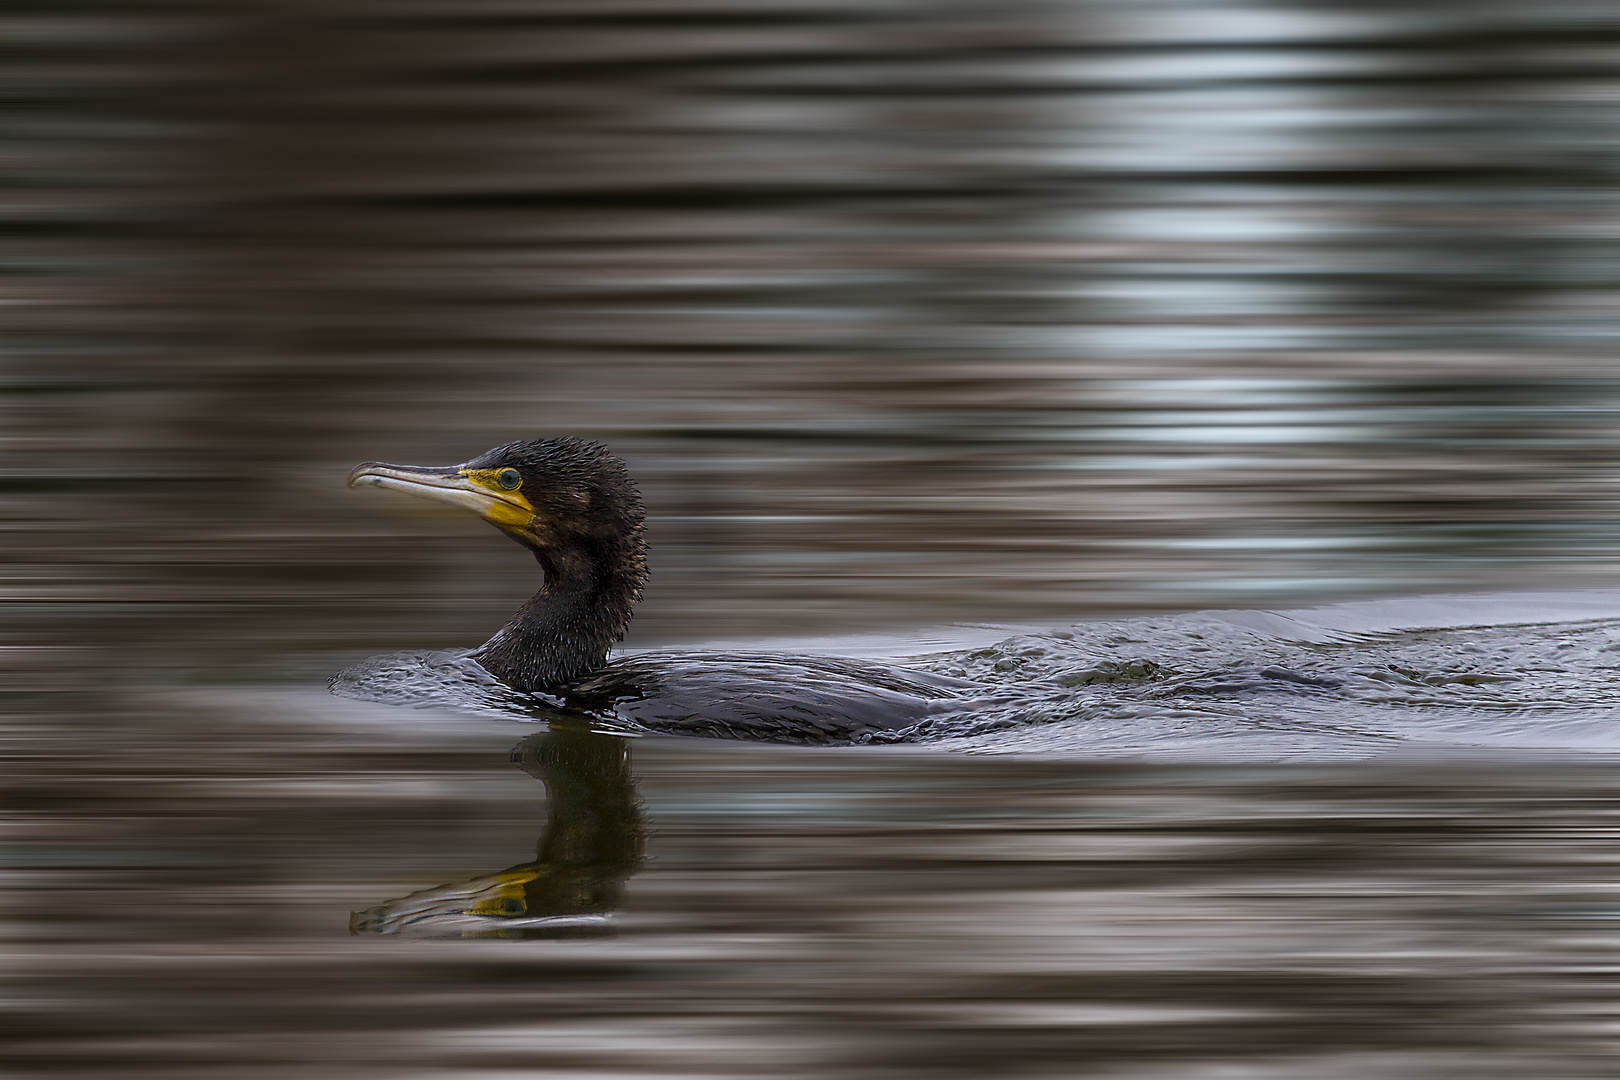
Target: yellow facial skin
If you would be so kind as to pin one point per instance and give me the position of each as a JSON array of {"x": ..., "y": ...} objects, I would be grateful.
[{"x": 510, "y": 509}]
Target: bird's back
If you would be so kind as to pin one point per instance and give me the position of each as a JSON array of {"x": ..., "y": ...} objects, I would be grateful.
[{"x": 762, "y": 696}]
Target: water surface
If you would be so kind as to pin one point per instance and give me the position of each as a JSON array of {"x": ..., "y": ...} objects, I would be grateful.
[
  {"x": 1065, "y": 320},
  {"x": 1181, "y": 876}
]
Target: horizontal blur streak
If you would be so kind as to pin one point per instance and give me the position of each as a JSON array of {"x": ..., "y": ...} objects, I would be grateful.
[
  {"x": 900, "y": 312},
  {"x": 802, "y": 913}
]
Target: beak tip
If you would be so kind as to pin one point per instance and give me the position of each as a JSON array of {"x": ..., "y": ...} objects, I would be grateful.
[{"x": 361, "y": 474}]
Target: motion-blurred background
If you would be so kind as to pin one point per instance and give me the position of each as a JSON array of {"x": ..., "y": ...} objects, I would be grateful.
[{"x": 902, "y": 312}]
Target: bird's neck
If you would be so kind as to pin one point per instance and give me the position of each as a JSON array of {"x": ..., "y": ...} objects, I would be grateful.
[{"x": 565, "y": 630}]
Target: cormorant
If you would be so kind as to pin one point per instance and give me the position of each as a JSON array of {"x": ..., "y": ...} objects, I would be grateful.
[{"x": 573, "y": 504}]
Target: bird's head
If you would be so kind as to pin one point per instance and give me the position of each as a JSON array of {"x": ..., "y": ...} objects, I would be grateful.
[{"x": 569, "y": 501}]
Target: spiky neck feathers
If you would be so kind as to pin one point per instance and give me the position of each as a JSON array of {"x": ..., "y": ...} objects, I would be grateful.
[{"x": 564, "y": 631}]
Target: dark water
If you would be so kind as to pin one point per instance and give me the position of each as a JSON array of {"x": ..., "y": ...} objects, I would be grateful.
[
  {"x": 1407, "y": 874},
  {"x": 1048, "y": 323},
  {"x": 183, "y": 871}
]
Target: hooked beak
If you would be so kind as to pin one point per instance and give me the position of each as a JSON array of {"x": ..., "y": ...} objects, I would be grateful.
[{"x": 446, "y": 484}]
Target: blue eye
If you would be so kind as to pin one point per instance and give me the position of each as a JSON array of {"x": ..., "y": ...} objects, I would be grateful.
[{"x": 509, "y": 479}]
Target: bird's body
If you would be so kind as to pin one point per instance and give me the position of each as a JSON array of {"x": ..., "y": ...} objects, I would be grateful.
[
  {"x": 574, "y": 505},
  {"x": 761, "y": 696}
]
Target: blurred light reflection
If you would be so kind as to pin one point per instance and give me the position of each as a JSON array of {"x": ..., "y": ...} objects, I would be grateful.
[{"x": 902, "y": 314}]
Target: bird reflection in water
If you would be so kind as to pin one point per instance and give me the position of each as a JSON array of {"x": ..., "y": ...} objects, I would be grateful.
[{"x": 592, "y": 843}]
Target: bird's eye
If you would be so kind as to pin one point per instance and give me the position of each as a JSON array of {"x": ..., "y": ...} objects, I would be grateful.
[{"x": 509, "y": 479}]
